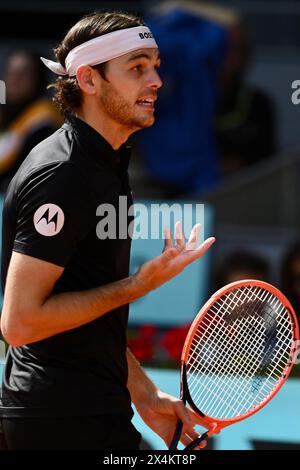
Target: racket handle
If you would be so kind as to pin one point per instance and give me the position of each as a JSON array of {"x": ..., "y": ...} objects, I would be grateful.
[
  {"x": 176, "y": 436},
  {"x": 196, "y": 442}
]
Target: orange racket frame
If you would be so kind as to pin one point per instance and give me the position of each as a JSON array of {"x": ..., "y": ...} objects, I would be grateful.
[{"x": 214, "y": 426}]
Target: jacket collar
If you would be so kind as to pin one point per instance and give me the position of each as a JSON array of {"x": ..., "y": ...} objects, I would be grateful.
[{"x": 97, "y": 147}]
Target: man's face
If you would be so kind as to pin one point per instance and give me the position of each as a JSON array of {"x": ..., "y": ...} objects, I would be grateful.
[{"x": 129, "y": 94}]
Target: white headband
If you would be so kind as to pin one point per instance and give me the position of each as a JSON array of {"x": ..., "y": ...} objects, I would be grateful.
[{"x": 103, "y": 48}]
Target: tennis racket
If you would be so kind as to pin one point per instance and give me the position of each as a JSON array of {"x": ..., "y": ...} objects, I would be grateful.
[{"x": 238, "y": 353}]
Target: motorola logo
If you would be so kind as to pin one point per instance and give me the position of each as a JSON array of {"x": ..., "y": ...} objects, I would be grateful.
[{"x": 48, "y": 220}]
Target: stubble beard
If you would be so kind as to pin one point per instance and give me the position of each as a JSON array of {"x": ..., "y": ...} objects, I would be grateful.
[{"x": 118, "y": 109}]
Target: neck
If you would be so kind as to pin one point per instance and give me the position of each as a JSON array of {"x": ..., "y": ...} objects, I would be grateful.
[{"x": 113, "y": 132}]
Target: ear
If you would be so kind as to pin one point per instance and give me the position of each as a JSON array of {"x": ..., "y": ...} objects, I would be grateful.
[{"x": 86, "y": 79}]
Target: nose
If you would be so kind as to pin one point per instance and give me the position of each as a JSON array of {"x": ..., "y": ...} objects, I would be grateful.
[{"x": 154, "y": 80}]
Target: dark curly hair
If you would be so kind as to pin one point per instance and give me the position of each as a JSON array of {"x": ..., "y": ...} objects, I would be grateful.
[{"x": 68, "y": 95}]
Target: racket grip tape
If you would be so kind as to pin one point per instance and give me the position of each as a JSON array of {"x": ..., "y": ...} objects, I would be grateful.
[
  {"x": 196, "y": 442},
  {"x": 176, "y": 436}
]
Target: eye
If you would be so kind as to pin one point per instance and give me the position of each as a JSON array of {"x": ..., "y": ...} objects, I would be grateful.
[{"x": 137, "y": 68}]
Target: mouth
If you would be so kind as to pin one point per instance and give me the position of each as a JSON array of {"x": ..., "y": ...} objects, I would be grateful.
[{"x": 146, "y": 103}]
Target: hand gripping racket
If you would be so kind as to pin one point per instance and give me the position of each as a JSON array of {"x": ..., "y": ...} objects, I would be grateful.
[{"x": 238, "y": 353}]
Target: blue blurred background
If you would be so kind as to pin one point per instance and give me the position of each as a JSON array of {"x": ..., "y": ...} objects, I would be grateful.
[{"x": 226, "y": 136}]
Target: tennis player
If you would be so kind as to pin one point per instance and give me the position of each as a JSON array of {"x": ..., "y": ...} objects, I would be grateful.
[{"x": 69, "y": 379}]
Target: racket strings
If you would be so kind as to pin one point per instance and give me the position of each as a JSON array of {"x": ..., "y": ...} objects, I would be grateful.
[
  {"x": 238, "y": 345},
  {"x": 242, "y": 346},
  {"x": 221, "y": 387},
  {"x": 221, "y": 381},
  {"x": 235, "y": 383},
  {"x": 236, "y": 338},
  {"x": 239, "y": 352}
]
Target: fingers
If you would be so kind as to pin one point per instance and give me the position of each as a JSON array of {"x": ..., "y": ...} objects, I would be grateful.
[
  {"x": 189, "y": 433},
  {"x": 192, "y": 241},
  {"x": 185, "y": 254},
  {"x": 194, "y": 237},
  {"x": 205, "y": 246},
  {"x": 168, "y": 239},
  {"x": 189, "y": 256},
  {"x": 188, "y": 252},
  {"x": 183, "y": 413},
  {"x": 151, "y": 268},
  {"x": 188, "y": 437},
  {"x": 179, "y": 236},
  {"x": 202, "y": 445},
  {"x": 192, "y": 255}
]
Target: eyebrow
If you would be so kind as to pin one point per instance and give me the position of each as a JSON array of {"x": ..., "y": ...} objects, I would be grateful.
[{"x": 142, "y": 55}]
